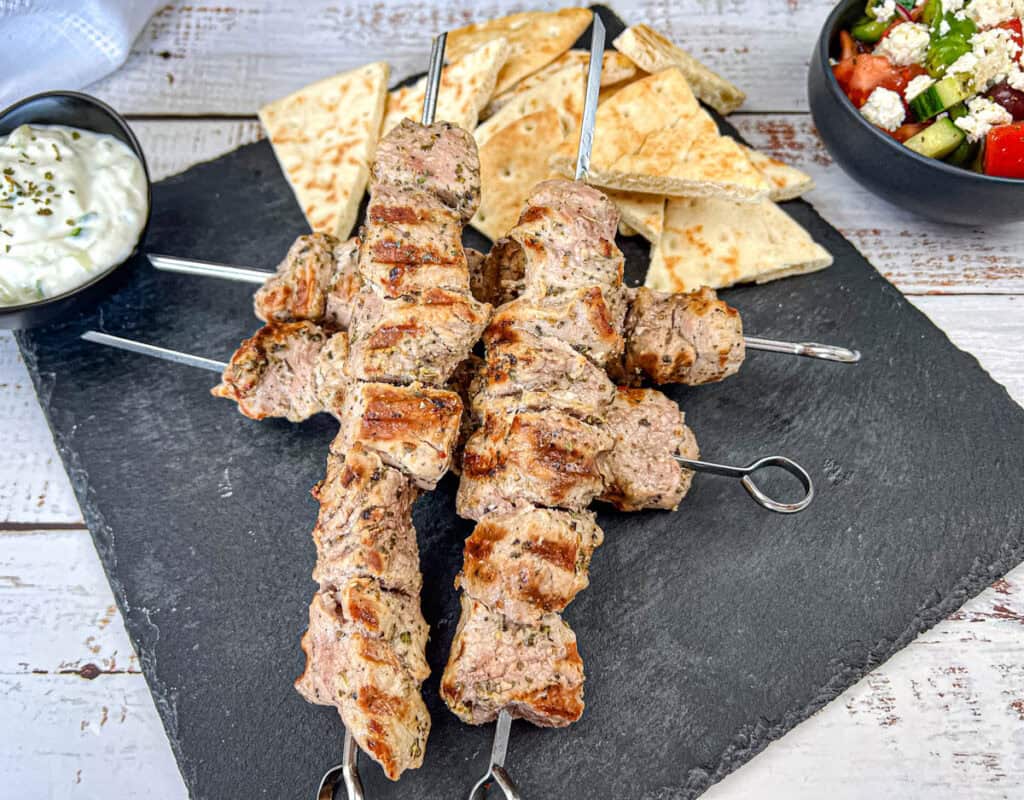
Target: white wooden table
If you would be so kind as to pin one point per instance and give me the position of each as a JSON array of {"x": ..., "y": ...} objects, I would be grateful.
[{"x": 942, "y": 719}]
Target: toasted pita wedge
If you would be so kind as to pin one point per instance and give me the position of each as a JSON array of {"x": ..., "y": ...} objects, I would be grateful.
[
  {"x": 625, "y": 230},
  {"x": 466, "y": 86},
  {"x": 787, "y": 182},
  {"x": 615, "y": 69},
  {"x": 324, "y": 137},
  {"x": 641, "y": 213},
  {"x": 652, "y": 136},
  {"x": 512, "y": 162},
  {"x": 537, "y": 38},
  {"x": 563, "y": 91},
  {"x": 717, "y": 243},
  {"x": 652, "y": 52}
]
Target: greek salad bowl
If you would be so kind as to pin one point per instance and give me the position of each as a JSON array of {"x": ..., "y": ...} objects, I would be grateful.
[
  {"x": 69, "y": 219},
  {"x": 941, "y": 190}
]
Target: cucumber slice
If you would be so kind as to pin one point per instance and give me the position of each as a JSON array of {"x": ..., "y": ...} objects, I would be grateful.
[
  {"x": 939, "y": 96},
  {"x": 938, "y": 140},
  {"x": 964, "y": 154}
]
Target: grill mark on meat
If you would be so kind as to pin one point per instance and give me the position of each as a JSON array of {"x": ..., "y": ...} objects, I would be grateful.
[{"x": 407, "y": 255}]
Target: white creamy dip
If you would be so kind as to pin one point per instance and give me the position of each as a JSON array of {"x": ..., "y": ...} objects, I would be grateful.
[{"x": 72, "y": 204}]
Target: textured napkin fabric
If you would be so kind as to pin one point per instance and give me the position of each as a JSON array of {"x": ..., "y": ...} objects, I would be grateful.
[{"x": 64, "y": 44}]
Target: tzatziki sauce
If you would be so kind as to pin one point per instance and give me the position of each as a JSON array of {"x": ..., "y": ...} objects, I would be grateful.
[{"x": 72, "y": 204}]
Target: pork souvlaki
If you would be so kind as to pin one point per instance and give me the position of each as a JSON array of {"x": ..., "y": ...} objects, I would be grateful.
[
  {"x": 413, "y": 322},
  {"x": 553, "y": 434}
]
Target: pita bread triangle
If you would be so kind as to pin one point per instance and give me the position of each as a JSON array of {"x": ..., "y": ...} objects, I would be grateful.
[
  {"x": 324, "y": 137},
  {"x": 652, "y": 52},
  {"x": 641, "y": 213},
  {"x": 563, "y": 91},
  {"x": 717, "y": 242},
  {"x": 466, "y": 85},
  {"x": 652, "y": 136},
  {"x": 787, "y": 182},
  {"x": 512, "y": 162},
  {"x": 537, "y": 38},
  {"x": 615, "y": 68}
]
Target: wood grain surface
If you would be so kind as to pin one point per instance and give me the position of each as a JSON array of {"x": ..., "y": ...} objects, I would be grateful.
[{"x": 944, "y": 718}]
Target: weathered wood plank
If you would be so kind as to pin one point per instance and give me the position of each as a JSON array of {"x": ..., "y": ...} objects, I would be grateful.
[
  {"x": 33, "y": 484},
  {"x": 57, "y": 613},
  {"x": 920, "y": 257},
  {"x": 64, "y": 736},
  {"x": 943, "y": 718},
  {"x": 230, "y": 58}
]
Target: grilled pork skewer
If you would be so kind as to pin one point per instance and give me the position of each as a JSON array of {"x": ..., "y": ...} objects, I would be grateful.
[{"x": 413, "y": 323}]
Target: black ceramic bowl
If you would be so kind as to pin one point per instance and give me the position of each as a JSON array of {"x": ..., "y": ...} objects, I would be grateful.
[
  {"x": 878, "y": 162},
  {"x": 78, "y": 111}
]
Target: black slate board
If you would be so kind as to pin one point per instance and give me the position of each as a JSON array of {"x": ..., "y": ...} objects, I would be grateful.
[{"x": 706, "y": 633}]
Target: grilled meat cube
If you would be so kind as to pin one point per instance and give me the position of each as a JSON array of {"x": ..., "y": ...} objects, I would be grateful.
[
  {"x": 412, "y": 242},
  {"x": 330, "y": 375},
  {"x": 538, "y": 372},
  {"x": 365, "y": 523},
  {"x": 689, "y": 338},
  {"x": 640, "y": 471},
  {"x": 406, "y": 339},
  {"x": 533, "y": 670},
  {"x": 565, "y": 239},
  {"x": 544, "y": 458},
  {"x": 344, "y": 286},
  {"x": 272, "y": 373},
  {"x": 499, "y": 277},
  {"x": 297, "y": 290},
  {"x": 413, "y": 428},
  {"x": 588, "y": 320},
  {"x": 440, "y": 158},
  {"x": 392, "y": 616},
  {"x": 529, "y": 562},
  {"x": 364, "y": 676}
]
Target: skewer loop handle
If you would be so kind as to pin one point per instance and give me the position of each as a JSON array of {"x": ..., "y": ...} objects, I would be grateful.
[
  {"x": 347, "y": 770},
  {"x": 496, "y": 771},
  {"x": 745, "y": 474}
]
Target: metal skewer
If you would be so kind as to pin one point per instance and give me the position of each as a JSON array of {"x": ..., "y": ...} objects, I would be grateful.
[
  {"x": 590, "y": 100},
  {"x": 210, "y": 269},
  {"x": 348, "y": 770},
  {"x": 434, "y": 78},
  {"x": 189, "y": 266},
  {"x": 175, "y": 356},
  {"x": 826, "y": 352},
  {"x": 496, "y": 769},
  {"x": 496, "y": 772},
  {"x": 745, "y": 474}
]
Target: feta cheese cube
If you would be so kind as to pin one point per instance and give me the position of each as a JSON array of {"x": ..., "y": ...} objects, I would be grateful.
[
  {"x": 996, "y": 53},
  {"x": 989, "y": 13},
  {"x": 884, "y": 11},
  {"x": 884, "y": 109},
  {"x": 983, "y": 115},
  {"x": 907, "y": 43}
]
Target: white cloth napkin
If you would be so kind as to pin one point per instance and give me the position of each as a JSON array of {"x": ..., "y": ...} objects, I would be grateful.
[{"x": 64, "y": 44}]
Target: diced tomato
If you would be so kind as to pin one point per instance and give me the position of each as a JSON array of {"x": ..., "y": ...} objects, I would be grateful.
[
  {"x": 847, "y": 46},
  {"x": 904, "y": 132},
  {"x": 1004, "y": 151},
  {"x": 1016, "y": 29},
  {"x": 860, "y": 75}
]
